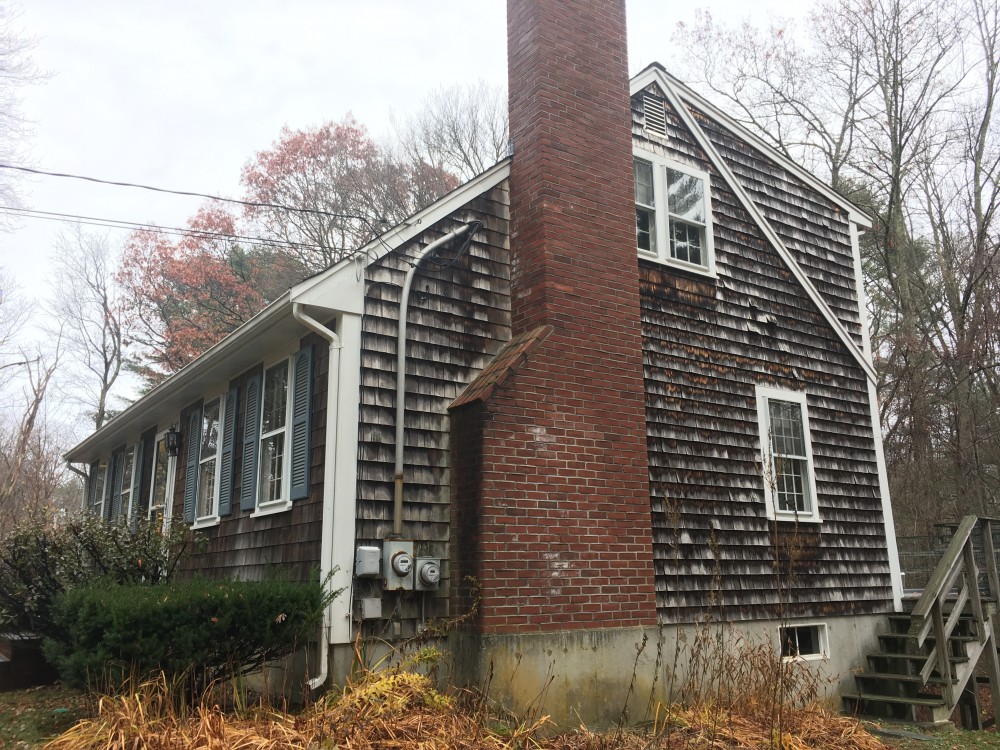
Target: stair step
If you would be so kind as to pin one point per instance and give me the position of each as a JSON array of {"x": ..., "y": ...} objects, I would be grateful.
[
  {"x": 928, "y": 640},
  {"x": 913, "y": 657},
  {"x": 895, "y": 699},
  {"x": 908, "y": 678}
]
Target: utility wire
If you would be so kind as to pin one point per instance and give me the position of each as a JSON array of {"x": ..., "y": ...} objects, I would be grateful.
[
  {"x": 99, "y": 221},
  {"x": 251, "y": 204}
]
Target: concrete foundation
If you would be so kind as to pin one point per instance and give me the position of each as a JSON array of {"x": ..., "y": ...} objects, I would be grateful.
[{"x": 605, "y": 676}]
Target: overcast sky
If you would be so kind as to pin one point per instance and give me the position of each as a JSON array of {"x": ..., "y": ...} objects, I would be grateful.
[{"x": 181, "y": 94}]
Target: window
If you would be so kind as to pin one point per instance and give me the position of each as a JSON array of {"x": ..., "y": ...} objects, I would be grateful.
[
  {"x": 804, "y": 641},
  {"x": 162, "y": 490},
  {"x": 789, "y": 484},
  {"x": 95, "y": 493},
  {"x": 206, "y": 508},
  {"x": 275, "y": 468},
  {"x": 273, "y": 435},
  {"x": 673, "y": 218},
  {"x": 124, "y": 505}
]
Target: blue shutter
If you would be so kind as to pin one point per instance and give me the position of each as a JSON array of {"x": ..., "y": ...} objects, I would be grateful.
[
  {"x": 191, "y": 469},
  {"x": 226, "y": 460},
  {"x": 301, "y": 422},
  {"x": 109, "y": 485},
  {"x": 251, "y": 445}
]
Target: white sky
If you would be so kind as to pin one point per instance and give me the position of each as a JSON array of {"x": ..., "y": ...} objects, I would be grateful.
[{"x": 181, "y": 94}]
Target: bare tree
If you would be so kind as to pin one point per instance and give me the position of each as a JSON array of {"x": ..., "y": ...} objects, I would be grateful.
[
  {"x": 88, "y": 312},
  {"x": 892, "y": 101},
  {"x": 16, "y": 70},
  {"x": 460, "y": 129},
  {"x": 26, "y": 376}
]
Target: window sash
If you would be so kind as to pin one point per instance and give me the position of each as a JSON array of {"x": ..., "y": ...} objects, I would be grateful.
[{"x": 128, "y": 474}]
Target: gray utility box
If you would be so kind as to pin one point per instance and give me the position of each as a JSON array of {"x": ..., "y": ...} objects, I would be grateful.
[{"x": 397, "y": 565}]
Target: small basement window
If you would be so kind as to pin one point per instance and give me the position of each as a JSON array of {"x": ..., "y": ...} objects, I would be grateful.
[{"x": 804, "y": 641}]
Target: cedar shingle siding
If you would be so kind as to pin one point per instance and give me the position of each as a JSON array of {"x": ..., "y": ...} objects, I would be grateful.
[
  {"x": 705, "y": 350},
  {"x": 459, "y": 316}
]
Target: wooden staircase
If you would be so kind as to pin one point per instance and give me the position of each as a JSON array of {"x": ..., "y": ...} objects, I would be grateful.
[{"x": 928, "y": 658}]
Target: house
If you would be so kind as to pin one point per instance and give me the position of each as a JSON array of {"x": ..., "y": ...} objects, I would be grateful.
[{"x": 636, "y": 390}]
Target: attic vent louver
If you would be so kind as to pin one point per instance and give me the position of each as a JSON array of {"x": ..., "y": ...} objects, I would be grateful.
[{"x": 656, "y": 119}]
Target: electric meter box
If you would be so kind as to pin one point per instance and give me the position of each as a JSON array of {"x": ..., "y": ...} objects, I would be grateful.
[
  {"x": 397, "y": 565},
  {"x": 366, "y": 562},
  {"x": 427, "y": 573}
]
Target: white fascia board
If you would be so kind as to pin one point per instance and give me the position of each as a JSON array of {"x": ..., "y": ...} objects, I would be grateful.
[
  {"x": 657, "y": 75},
  {"x": 411, "y": 227}
]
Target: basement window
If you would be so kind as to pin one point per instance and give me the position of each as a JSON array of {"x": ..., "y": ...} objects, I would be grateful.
[
  {"x": 804, "y": 641},
  {"x": 673, "y": 216}
]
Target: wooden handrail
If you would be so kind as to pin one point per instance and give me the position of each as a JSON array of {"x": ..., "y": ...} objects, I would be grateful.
[{"x": 957, "y": 568}]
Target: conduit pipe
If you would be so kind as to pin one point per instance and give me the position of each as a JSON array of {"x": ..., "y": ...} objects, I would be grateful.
[
  {"x": 326, "y": 549},
  {"x": 404, "y": 301}
]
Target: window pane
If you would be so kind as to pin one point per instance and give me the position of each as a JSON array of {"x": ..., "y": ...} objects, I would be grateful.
[
  {"x": 127, "y": 472},
  {"x": 209, "y": 429},
  {"x": 271, "y": 467},
  {"x": 275, "y": 392},
  {"x": 685, "y": 196},
  {"x": 643, "y": 182},
  {"x": 685, "y": 242},
  {"x": 645, "y": 234}
]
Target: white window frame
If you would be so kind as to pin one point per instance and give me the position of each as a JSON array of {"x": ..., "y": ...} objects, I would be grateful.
[
  {"x": 283, "y": 502},
  {"x": 822, "y": 638},
  {"x": 212, "y": 518},
  {"x": 662, "y": 214},
  {"x": 168, "y": 490},
  {"x": 764, "y": 395}
]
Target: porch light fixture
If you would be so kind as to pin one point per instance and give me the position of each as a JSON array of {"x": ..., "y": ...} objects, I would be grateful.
[{"x": 173, "y": 439}]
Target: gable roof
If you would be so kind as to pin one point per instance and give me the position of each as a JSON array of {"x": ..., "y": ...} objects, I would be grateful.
[
  {"x": 336, "y": 289},
  {"x": 678, "y": 95}
]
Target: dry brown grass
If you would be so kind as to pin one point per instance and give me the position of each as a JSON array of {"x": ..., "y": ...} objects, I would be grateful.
[{"x": 400, "y": 709}]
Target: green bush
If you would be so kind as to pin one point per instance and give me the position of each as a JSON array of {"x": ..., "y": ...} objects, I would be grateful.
[
  {"x": 195, "y": 631},
  {"x": 40, "y": 561}
]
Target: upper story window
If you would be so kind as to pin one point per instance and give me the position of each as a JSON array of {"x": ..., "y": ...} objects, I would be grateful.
[
  {"x": 789, "y": 481},
  {"x": 673, "y": 218}
]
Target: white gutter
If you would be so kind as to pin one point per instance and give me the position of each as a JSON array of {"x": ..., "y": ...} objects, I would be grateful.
[
  {"x": 404, "y": 301},
  {"x": 329, "y": 488}
]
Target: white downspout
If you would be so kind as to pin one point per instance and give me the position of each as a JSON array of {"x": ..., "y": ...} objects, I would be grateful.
[
  {"x": 329, "y": 461},
  {"x": 404, "y": 301}
]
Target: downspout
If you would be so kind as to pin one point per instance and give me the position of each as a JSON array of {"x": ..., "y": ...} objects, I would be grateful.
[
  {"x": 326, "y": 548},
  {"x": 404, "y": 301}
]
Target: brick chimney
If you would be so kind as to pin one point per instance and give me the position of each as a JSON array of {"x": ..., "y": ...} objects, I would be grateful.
[{"x": 551, "y": 477}]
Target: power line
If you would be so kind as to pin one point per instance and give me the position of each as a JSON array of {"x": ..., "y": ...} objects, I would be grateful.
[
  {"x": 193, "y": 194},
  {"x": 99, "y": 221}
]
